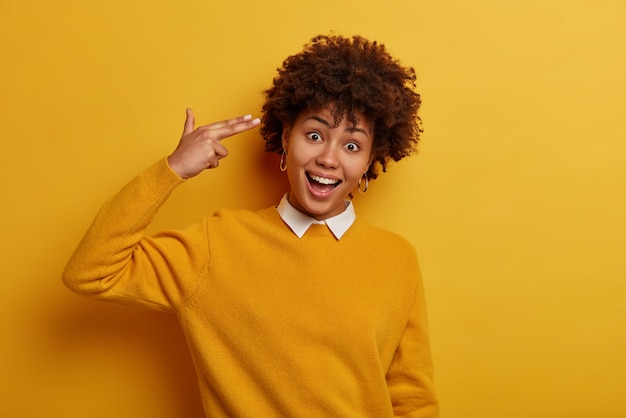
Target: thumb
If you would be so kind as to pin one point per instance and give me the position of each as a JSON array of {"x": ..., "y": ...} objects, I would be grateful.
[{"x": 190, "y": 122}]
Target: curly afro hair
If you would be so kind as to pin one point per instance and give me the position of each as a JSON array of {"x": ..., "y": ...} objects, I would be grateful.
[{"x": 346, "y": 76}]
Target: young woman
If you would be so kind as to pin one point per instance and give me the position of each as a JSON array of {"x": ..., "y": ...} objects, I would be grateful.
[{"x": 297, "y": 310}]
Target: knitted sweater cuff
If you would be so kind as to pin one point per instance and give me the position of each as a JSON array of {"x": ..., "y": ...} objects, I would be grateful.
[{"x": 161, "y": 178}]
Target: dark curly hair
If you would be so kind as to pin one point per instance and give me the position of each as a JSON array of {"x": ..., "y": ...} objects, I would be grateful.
[{"x": 347, "y": 75}]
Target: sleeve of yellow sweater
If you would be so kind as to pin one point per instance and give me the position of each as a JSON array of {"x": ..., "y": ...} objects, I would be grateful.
[
  {"x": 116, "y": 261},
  {"x": 410, "y": 376}
]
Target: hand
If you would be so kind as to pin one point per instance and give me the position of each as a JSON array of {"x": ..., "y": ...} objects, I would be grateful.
[{"x": 200, "y": 149}]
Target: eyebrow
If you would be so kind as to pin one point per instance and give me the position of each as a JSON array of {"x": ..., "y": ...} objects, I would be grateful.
[{"x": 328, "y": 124}]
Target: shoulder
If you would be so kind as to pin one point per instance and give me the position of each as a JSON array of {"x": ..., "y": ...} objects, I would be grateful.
[
  {"x": 387, "y": 253},
  {"x": 383, "y": 240},
  {"x": 369, "y": 231}
]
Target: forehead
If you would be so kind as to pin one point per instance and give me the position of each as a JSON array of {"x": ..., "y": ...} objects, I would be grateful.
[{"x": 326, "y": 117}]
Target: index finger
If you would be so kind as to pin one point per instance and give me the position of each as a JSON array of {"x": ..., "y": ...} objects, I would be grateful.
[
  {"x": 230, "y": 127},
  {"x": 231, "y": 121}
]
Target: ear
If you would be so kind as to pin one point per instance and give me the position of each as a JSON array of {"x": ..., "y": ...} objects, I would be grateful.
[
  {"x": 369, "y": 163},
  {"x": 285, "y": 136}
]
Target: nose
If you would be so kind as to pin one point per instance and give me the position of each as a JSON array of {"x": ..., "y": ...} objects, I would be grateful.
[{"x": 328, "y": 156}]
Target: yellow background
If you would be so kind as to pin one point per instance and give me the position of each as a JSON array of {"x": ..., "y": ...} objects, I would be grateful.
[{"x": 515, "y": 203}]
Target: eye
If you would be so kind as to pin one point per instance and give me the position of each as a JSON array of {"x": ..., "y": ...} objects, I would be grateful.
[
  {"x": 351, "y": 146},
  {"x": 314, "y": 136}
]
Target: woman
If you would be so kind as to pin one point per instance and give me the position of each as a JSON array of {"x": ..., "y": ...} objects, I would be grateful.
[{"x": 301, "y": 309}]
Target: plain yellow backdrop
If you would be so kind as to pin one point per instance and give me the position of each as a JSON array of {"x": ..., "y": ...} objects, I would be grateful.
[{"x": 515, "y": 202}]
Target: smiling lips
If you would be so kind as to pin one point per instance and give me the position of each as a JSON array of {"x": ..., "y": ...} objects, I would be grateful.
[
  {"x": 321, "y": 186},
  {"x": 323, "y": 180}
]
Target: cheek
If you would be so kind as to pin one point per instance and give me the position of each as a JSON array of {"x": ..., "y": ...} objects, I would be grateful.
[
  {"x": 293, "y": 159},
  {"x": 298, "y": 155},
  {"x": 359, "y": 168},
  {"x": 294, "y": 167}
]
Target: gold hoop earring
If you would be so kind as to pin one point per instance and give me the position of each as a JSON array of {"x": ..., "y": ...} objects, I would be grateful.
[
  {"x": 367, "y": 183},
  {"x": 283, "y": 161}
]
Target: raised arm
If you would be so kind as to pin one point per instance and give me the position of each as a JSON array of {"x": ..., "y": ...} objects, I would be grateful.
[{"x": 116, "y": 261}]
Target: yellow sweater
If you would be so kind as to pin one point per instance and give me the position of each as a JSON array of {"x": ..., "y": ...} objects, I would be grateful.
[{"x": 278, "y": 326}]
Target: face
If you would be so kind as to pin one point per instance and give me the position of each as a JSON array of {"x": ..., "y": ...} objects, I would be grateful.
[{"x": 324, "y": 161}]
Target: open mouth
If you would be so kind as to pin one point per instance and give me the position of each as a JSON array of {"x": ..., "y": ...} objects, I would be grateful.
[{"x": 322, "y": 184}]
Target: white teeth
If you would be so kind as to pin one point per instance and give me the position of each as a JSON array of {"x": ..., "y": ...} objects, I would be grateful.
[{"x": 323, "y": 180}]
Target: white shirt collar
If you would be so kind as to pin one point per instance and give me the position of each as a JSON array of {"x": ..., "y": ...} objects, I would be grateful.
[{"x": 299, "y": 222}]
